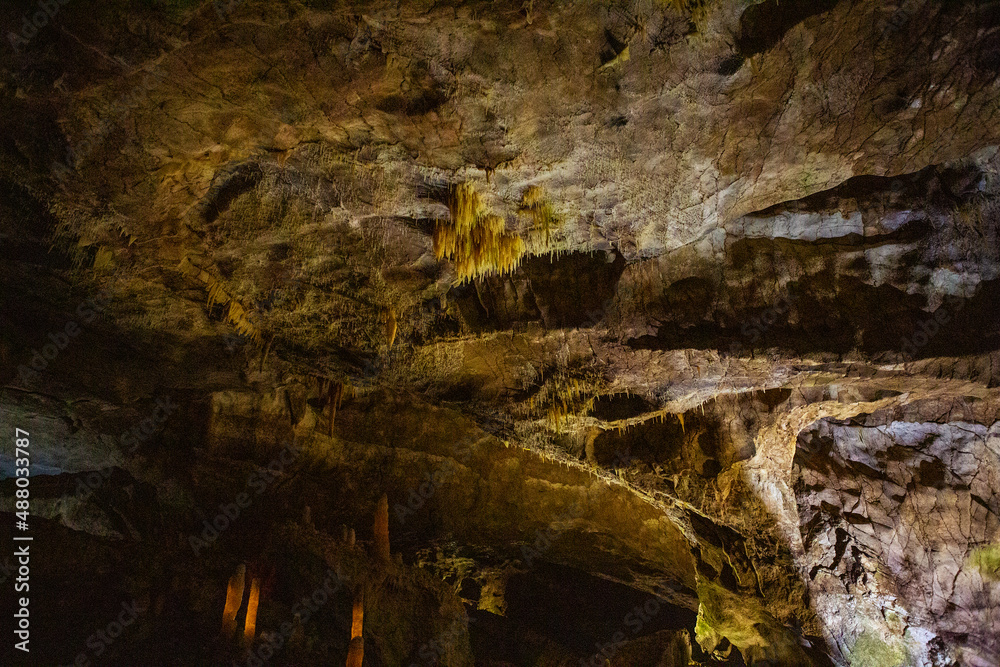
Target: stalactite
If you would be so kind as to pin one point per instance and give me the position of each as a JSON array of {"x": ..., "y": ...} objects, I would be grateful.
[
  {"x": 476, "y": 240},
  {"x": 236, "y": 314},
  {"x": 324, "y": 399},
  {"x": 543, "y": 217},
  {"x": 234, "y": 599}
]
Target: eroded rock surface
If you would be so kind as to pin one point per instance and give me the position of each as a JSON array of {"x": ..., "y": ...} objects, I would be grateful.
[{"x": 737, "y": 404}]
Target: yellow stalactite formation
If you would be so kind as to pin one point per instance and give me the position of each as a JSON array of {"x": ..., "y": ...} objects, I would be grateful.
[
  {"x": 543, "y": 217},
  {"x": 103, "y": 258},
  {"x": 562, "y": 399},
  {"x": 696, "y": 9},
  {"x": 234, "y": 599},
  {"x": 381, "y": 530},
  {"x": 475, "y": 239},
  {"x": 250, "y": 627},
  {"x": 235, "y": 313}
]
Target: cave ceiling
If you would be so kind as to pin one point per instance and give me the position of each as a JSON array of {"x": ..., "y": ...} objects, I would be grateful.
[{"x": 609, "y": 332}]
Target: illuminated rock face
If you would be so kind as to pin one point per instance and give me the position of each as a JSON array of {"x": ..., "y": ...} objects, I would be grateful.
[
  {"x": 899, "y": 517},
  {"x": 656, "y": 332}
]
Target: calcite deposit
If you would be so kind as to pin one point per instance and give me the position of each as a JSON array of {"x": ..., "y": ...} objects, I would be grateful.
[{"x": 658, "y": 332}]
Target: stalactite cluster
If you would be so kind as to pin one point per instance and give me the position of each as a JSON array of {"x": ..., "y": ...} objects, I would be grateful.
[{"x": 475, "y": 239}]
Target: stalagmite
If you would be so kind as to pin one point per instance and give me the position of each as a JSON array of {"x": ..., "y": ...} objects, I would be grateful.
[
  {"x": 250, "y": 627},
  {"x": 356, "y": 653},
  {"x": 381, "y": 530},
  {"x": 358, "y": 615},
  {"x": 390, "y": 328},
  {"x": 334, "y": 397},
  {"x": 234, "y": 599}
]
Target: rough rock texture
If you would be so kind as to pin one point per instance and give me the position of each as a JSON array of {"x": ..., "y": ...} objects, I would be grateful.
[
  {"x": 736, "y": 405},
  {"x": 905, "y": 527}
]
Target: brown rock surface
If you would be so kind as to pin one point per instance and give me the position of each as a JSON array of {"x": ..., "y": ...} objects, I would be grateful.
[{"x": 745, "y": 374}]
